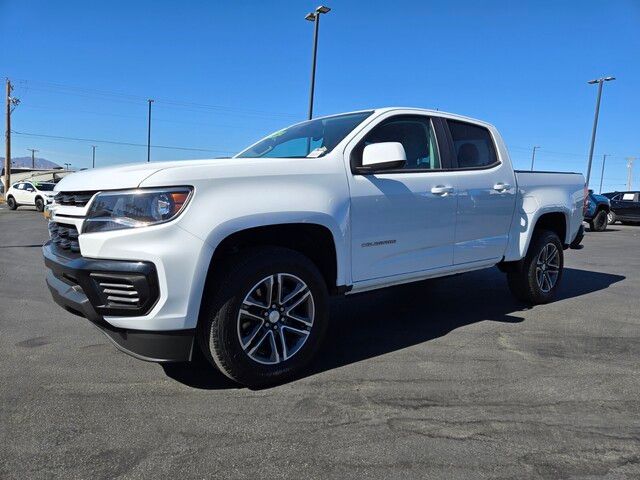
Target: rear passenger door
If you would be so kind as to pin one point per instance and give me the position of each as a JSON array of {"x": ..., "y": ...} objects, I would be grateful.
[{"x": 486, "y": 194}]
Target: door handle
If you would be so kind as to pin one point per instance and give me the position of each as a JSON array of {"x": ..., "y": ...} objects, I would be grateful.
[
  {"x": 441, "y": 190},
  {"x": 501, "y": 187}
]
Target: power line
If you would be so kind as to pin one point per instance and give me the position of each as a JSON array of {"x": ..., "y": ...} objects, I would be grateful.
[
  {"x": 113, "y": 142},
  {"x": 128, "y": 98}
]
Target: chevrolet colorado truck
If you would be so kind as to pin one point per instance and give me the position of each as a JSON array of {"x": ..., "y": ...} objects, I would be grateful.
[{"x": 238, "y": 257}]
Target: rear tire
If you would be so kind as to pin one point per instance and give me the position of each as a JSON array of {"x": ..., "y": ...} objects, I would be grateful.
[
  {"x": 599, "y": 222},
  {"x": 244, "y": 336},
  {"x": 537, "y": 279},
  {"x": 11, "y": 203},
  {"x": 39, "y": 204}
]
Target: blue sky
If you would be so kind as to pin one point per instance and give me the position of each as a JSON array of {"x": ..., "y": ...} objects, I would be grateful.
[{"x": 224, "y": 73}]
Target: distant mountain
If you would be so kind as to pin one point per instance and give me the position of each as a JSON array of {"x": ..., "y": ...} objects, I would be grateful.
[{"x": 26, "y": 162}]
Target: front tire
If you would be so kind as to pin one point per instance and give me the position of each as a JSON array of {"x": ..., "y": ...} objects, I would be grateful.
[
  {"x": 539, "y": 275},
  {"x": 611, "y": 218},
  {"x": 599, "y": 222},
  {"x": 11, "y": 203},
  {"x": 267, "y": 317},
  {"x": 39, "y": 204}
]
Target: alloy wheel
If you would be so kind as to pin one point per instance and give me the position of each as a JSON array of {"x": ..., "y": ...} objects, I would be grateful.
[
  {"x": 547, "y": 267},
  {"x": 276, "y": 318}
]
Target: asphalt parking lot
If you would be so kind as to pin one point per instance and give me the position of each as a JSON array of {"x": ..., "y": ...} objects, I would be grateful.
[{"x": 448, "y": 379}]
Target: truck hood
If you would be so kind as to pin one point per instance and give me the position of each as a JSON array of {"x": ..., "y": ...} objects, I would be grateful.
[
  {"x": 181, "y": 172},
  {"x": 121, "y": 176}
]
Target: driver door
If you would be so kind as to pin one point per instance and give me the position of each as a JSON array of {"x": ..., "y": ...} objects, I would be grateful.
[
  {"x": 402, "y": 220},
  {"x": 29, "y": 194}
]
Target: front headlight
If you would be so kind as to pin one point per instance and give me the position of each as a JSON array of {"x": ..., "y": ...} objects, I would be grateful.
[{"x": 135, "y": 208}]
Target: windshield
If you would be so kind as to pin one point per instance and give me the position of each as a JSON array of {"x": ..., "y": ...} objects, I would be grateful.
[
  {"x": 44, "y": 187},
  {"x": 313, "y": 138}
]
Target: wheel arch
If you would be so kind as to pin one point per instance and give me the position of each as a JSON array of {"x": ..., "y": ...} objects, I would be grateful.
[
  {"x": 557, "y": 222},
  {"x": 314, "y": 240}
]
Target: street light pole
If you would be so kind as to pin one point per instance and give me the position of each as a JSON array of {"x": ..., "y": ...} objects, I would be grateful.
[
  {"x": 149, "y": 132},
  {"x": 315, "y": 18},
  {"x": 93, "y": 156},
  {"x": 600, "y": 82},
  {"x": 604, "y": 159},
  {"x": 533, "y": 156}
]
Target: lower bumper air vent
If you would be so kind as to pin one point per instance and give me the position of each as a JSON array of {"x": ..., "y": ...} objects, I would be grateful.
[{"x": 122, "y": 291}]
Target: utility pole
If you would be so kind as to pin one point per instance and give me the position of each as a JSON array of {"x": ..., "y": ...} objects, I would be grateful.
[
  {"x": 149, "y": 132},
  {"x": 533, "y": 156},
  {"x": 93, "y": 156},
  {"x": 630, "y": 161},
  {"x": 33, "y": 157},
  {"x": 600, "y": 82},
  {"x": 11, "y": 105},
  {"x": 604, "y": 159}
]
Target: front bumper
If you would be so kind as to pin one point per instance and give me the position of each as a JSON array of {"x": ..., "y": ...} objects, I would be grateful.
[{"x": 83, "y": 286}]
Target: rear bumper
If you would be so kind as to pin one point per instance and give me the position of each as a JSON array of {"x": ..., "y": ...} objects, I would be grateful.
[{"x": 72, "y": 281}]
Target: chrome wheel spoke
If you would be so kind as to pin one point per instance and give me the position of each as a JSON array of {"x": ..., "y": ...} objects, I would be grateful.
[
  {"x": 289, "y": 299},
  {"x": 259, "y": 342},
  {"x": 296, "y": 318},
  {"x": 283, "y": 344}
]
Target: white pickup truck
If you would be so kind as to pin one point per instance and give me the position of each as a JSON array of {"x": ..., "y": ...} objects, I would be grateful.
[{"x": 238, "y": 256}]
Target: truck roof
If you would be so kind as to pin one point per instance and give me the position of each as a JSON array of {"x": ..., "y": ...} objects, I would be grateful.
[{"x": 439, "y": 113}]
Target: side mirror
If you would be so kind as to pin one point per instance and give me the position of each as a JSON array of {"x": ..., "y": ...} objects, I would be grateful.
[{"x": 382, "y": 156}]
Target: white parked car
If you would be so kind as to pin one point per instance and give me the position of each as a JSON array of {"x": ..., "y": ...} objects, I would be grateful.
[
  {"x": 238, "y": 256},
  {"x": 38, "y": 194}
]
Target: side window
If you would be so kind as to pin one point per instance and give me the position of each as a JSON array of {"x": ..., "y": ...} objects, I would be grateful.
[
  {"x": 416, "y": 135},
  {"x": 20, "y": 186},
  {"x": 473, "y": 145},
  {"x": 628, "y": 197}
]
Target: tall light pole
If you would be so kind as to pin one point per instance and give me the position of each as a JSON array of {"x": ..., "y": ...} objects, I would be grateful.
[
  {"x": 599, "y": 81},
  {"x": 533, "y": 156},
  {"x": 630, "y": 161},
  {"x": 149, "y": 132},
  {"x": 67, "y": 165},
  {"x": 315, "y": 18},
  {"x": 93, "y": 156},
  {"x": 33, "y": 157},
  {"x": 604, "y": 159}
]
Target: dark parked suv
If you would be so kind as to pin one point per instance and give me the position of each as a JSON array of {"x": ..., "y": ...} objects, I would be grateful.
[
  {"x": 625, "y": 206},
  {"x": 597, "y": 211}
]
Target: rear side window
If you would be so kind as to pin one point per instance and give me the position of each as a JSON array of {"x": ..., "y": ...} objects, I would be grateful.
[{"x": 473, "y": 145}]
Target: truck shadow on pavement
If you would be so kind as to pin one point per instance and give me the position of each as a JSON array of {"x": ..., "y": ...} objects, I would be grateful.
[{"x": 370, "y": 324}]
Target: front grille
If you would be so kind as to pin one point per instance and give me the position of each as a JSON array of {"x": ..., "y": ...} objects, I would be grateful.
[
  {"x": 76, "y": 199},
  {"x": 118, "y": 291},
  {"x": 64, "y": 236}
]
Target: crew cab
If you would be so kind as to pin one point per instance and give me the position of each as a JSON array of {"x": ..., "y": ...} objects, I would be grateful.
[
  {"x": 238, "y": 256},
  {"x": 38, "y": 194}
]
